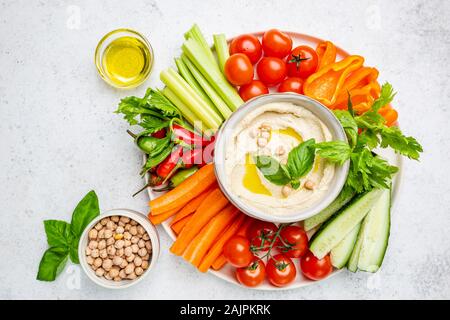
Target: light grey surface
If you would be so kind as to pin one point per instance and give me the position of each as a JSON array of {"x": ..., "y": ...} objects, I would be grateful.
[{"x": 60, "y": 138}]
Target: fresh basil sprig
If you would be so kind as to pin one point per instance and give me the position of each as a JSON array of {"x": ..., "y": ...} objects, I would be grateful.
[
  {"x": 63, "y": 238},
  {"x": 299, "y": 163}
]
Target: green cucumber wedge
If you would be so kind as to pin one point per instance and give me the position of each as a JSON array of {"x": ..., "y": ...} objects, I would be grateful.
[
  {"x": 376, "y": 234},
  {"x": 342, "y": 199},
  {"x": 332, "y": 232},
  {"x": 341, "y": 253},
  {"x": 352, "y": 264}
]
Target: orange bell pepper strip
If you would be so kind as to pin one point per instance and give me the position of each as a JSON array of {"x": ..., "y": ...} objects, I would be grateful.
[
  {"x": 326, "y": 51},
  {"x": 362, "y": 98},
  {"x": 390, "y": 114},
  {"x": 359, "y": 78},
  {"x": 326, "y": 84}
]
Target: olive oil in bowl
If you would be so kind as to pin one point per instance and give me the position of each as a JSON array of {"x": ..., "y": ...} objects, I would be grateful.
[{"x": 124, "y": 58}]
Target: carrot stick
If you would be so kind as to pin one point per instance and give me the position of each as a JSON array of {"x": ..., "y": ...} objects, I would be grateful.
[
  {"x": 215, "y": 252},
  {"x": 216, "y": 259},
  {"x": 210, "y": 206},
  {"x": 191, "y": 206},
  {"x": 185, "y": 192},
  {"x": 179, "y": 225},
  {"x": 162, "y": 217},
  {"x": 205, "y": 239}
]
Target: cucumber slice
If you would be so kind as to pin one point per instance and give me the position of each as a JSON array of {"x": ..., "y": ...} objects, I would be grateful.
[
  {"x": 342, "y": 199},
  {"x": 376, "y": 234},
  {"x": 332, "y": 232},
  {"x": 341, "y": 253},
  {"x": 354, "y": 258}
]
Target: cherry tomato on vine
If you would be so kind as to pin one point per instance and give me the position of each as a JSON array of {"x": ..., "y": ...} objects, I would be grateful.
[
  {"x": 247, "y": 44},
  {"x": 252, "y": 275},
  {"x": 315, "y": 269},
  {"x": 253, "y": 89},
  {"x": 238, "y": 69},
  {"x": 292, "y": 84},
  {"x": 261, "y": 235},
  {"x": 271, "y": 71},
  {"x": 276, "y": 43},
  {"x": 302, "y": 62},
  {"x": 296, "y": 240},
  {"x": 280, "y": 270},
  {"x": 237, "y": 251}
]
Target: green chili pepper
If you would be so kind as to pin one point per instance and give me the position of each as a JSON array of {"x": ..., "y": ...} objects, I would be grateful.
[
  {"x": 182, "y": 175},
  {"x": 157, "y": 159}
]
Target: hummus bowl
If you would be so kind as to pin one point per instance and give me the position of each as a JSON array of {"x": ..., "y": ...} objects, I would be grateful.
[{"x": 272, "y": 125}]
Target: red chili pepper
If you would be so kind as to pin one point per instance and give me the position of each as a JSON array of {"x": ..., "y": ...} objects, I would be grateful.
[
  {"x": 188, "y": 137},
  {"x": 192, "y": 156},
  {"x": 170, "y": 164},
  {"x": 159, "y": 134}
]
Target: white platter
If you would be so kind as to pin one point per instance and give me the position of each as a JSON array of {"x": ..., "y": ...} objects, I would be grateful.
[{"x": 227, "y": 272}]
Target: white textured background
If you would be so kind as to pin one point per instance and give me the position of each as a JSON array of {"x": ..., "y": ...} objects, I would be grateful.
[{"x": 59, "y": 137}]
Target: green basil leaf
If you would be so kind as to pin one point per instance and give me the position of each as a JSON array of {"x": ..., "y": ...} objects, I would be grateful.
[
  {"x": 58, "y": 233},
  {"x": 86, "y": 210},
  {"x": 52, "y": 263},
  {"x": 73, "y": 251},
  {"x": 272, "y": 170},
  {"x": 301, "y": 159}
]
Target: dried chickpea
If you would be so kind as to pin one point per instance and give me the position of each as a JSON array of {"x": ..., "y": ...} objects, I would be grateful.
[
  {"x": 98, "y": 226},
  {"x": 146, "y": 257},
  {"x": 107, "y": 264},
  {"x": 107, "y": 276},
  {"x": 124, "y": 264},
  {"x": 117, "y": 261},
  {"x": 108, "y": 233},
  {"x": 142, "y": 252},
  {"x": 120, "y": 223},
  {"x": 88, "y": 251},
  {"x": 127, "y": 235},
  {"x": 127, "y": 227},
  {"x": 133, "y": 223},
  {"x": 103, "y": 254},
  {"x": 104, "y": 221},
  {"x": 130, "y": 258},
  {"x": 127, "y": 243},
  {"x": 93, "y": 233},
  {"x": 101, "y": 234},
  {"x": 98, "y": 262},
  {"x": 118, "y": 236},
  {"x": 117, "y": 279},
  {"x": 111, "y": 250},
  {"x": 110, "y": 225},
  {"x": 100, "y": 272},
  {"x": 90, "y": 260},
  {"x": 145, "y": 265},
  {"x": 110, "y": 241},
  {"x": 115, "y": 219},
  {"x": 141, "y": 243},
  {"x": 137, "y": 261},
  {"x": 140, "y": 230},
  {"x": 134, "y": 248},
  {"x": 120, "y": 230},
  {"x": 119, "y": 252},
  {"x": 93, "y": 244},
  {"x": 128, "y": 251},
  {"x": 146, "y": 236},
  {"x": 95, "y": 253},
  {"x": 124, "y": 219},
  {"x": 138, "y": 271},
  {"x": 134, "y": 239},
  {"x": 148, "y": 245},
  {"x": 132, "y": 276},
  {"x": 122, "y": 274},
  {"x": 102, "y": 244},
  {"x": 133, "y": 230},
  {"x": 119, "y": 244},
  {"x": 129, "y": 268}
]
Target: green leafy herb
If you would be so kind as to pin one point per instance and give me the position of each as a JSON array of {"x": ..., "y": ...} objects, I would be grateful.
[
  {"x": 349, "y": 124},
  {"x": 63, "y": 238},
  {"x": 272, "y": 170},
  {"x": 334, "y": 151},
  {"x": 301, "y": 159},
  {"x": 52, "y": 263}
]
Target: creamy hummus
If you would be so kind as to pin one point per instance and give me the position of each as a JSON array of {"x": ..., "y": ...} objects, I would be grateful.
[{"x": 274, "y": 129}]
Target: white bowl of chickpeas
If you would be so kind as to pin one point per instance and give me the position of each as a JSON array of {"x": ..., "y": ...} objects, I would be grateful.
[{"x": 118, "y": 248}]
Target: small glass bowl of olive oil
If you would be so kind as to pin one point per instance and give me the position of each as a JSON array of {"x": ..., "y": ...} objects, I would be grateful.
[{"x": 124, "y": 58}]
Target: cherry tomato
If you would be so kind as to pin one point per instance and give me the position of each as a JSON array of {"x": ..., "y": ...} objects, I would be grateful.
[
  {"x": 302, "y": 62},
  {"x": 276, "y": 43},
  {"x": 253, "y": 89},
  {"x": 159, "y": 134},
  {"x": 313, "y": 268},
  {"x": 296, "y": 239},
  {"x": 261, "y": 234},
  {"x": 292, "y": 84},
  {"x": 247, "y": 44},
  {"x": 271, "y": 70},
  {"x": 237, "y": 251},
  {"x": 280, "y": 270},
  {"x": 252, "y": 275},
  {"x": 238, "y": 69}
]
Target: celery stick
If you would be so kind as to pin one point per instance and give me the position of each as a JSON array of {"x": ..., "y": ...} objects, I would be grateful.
[
  {"x": 195, "y": 33},
  {"x": 185, "y": 111},
  {"x": 189, "y": 97},
  {"x": 212, "y": 73},
  {"x": 222, "y": 51},
  {"x": 186, "y": 74},
  {"x": 216, "y": 99}
]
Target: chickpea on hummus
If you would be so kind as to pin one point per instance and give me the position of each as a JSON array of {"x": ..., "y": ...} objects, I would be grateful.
[{"x": 274, "y": 130}]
